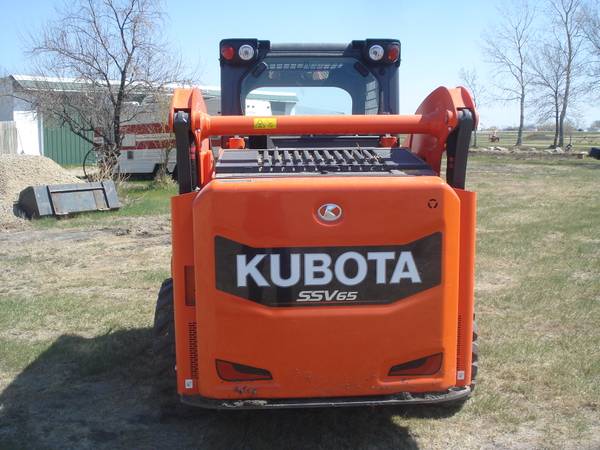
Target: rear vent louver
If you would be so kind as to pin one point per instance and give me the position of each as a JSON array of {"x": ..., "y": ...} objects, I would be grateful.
[
  {"x": 459, "y": 347},
  {"x": 193, "y": 348}
]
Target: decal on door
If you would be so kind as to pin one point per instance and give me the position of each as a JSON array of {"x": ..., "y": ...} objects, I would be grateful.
[{"x": 296, "y": 276}]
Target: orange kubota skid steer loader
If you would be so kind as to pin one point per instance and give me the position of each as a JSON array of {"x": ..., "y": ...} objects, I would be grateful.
[{"x": 318, "y": 261}]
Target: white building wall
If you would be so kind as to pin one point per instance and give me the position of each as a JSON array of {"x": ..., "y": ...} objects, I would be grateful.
[
  {"x": 27, "y": 127},
  {"x": 19, "y": 110},
  {"x": 6, "y": 99},
  {"x": 28, "y": 134}
]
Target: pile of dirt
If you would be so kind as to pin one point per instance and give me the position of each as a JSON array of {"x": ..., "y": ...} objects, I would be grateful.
[{"x": 19, "y": 171}]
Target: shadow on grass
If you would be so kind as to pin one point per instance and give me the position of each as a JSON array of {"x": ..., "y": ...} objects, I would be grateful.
[{"x": 97, "y": 393}]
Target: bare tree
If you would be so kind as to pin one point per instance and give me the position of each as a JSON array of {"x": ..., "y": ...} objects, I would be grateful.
[
  {"x": 566, "y": 16},
  {"x": 470, "y": 79},
  {"x": 98, "y": 63},
  {"x": 549, "y": 81},
  {"x": 550, "y": 76},
  {"x": 507, "y": 46},
  {"x": 590, "y": 28}
]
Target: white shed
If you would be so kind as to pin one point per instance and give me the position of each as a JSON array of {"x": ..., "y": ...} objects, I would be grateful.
[{"x": 21, "y": 129}]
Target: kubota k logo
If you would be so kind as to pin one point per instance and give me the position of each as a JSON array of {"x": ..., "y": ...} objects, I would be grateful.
[{"x": 329, "y": 212}]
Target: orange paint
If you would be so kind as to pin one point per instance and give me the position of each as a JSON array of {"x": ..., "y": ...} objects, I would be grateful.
[{"x": 324, "y": 351}]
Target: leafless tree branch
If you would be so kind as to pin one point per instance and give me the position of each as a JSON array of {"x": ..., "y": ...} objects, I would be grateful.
[
  {"x": 566, "y": 25},
  {"x": 471, "y": 81},
  {"x": 97, "y": 65},
  {"x": 507, "y": 47}
]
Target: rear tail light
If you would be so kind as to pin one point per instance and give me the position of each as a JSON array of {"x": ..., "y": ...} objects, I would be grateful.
[
  {"x": 376, "y": 52},
  {"x": 227, "y": 52},
  {"x": 393, "y": 53},
  {"x": 246, "y": 52},
  {"x": 429, "y": 365},
  {"x": 230, "y": 371}
]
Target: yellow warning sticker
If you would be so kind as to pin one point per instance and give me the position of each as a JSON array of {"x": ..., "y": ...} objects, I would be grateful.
[{"x": 264, "y": 123}]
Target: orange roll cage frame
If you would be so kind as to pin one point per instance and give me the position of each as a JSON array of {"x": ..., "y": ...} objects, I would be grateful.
[{"x": 428, "y": 128}]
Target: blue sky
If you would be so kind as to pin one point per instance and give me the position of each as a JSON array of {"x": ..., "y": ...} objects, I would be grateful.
[{"x": 438, "y": 37}]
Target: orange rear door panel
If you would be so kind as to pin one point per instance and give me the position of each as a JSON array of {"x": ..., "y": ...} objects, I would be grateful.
[{"x": 325, "y": 350}]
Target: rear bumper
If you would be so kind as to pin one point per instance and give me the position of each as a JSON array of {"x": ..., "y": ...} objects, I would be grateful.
[{"x": 404, "y": 398}]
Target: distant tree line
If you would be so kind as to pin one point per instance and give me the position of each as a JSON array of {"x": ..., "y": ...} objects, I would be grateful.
[{"x": 545, "y": 58}]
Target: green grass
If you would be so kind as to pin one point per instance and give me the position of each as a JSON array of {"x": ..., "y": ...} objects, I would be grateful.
[
  {"x": 75, "y": 318},
  {"x": 146, "y": 198},
  {"x": 538, "y": 234}
]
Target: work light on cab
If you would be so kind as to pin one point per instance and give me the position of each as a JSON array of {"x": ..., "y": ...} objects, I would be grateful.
[
  {"x": 246, "y": 52},
  {"x": 376, "y": 52}
]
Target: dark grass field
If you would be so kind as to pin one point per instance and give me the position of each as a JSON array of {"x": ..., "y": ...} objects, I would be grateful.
[{"x": 77, "y": 298}]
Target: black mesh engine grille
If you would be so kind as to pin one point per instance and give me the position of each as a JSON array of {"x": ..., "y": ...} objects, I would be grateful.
[{"x": 320, "y": 161}]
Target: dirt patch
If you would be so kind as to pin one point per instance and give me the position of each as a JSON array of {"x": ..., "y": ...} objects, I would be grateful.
[
  {"x": 100, "y": 265},
  {"x": 19, "y": 171}
]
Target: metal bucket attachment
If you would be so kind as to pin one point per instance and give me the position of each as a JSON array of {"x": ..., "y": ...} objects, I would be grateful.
[{"x": 64, "y": 199}]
